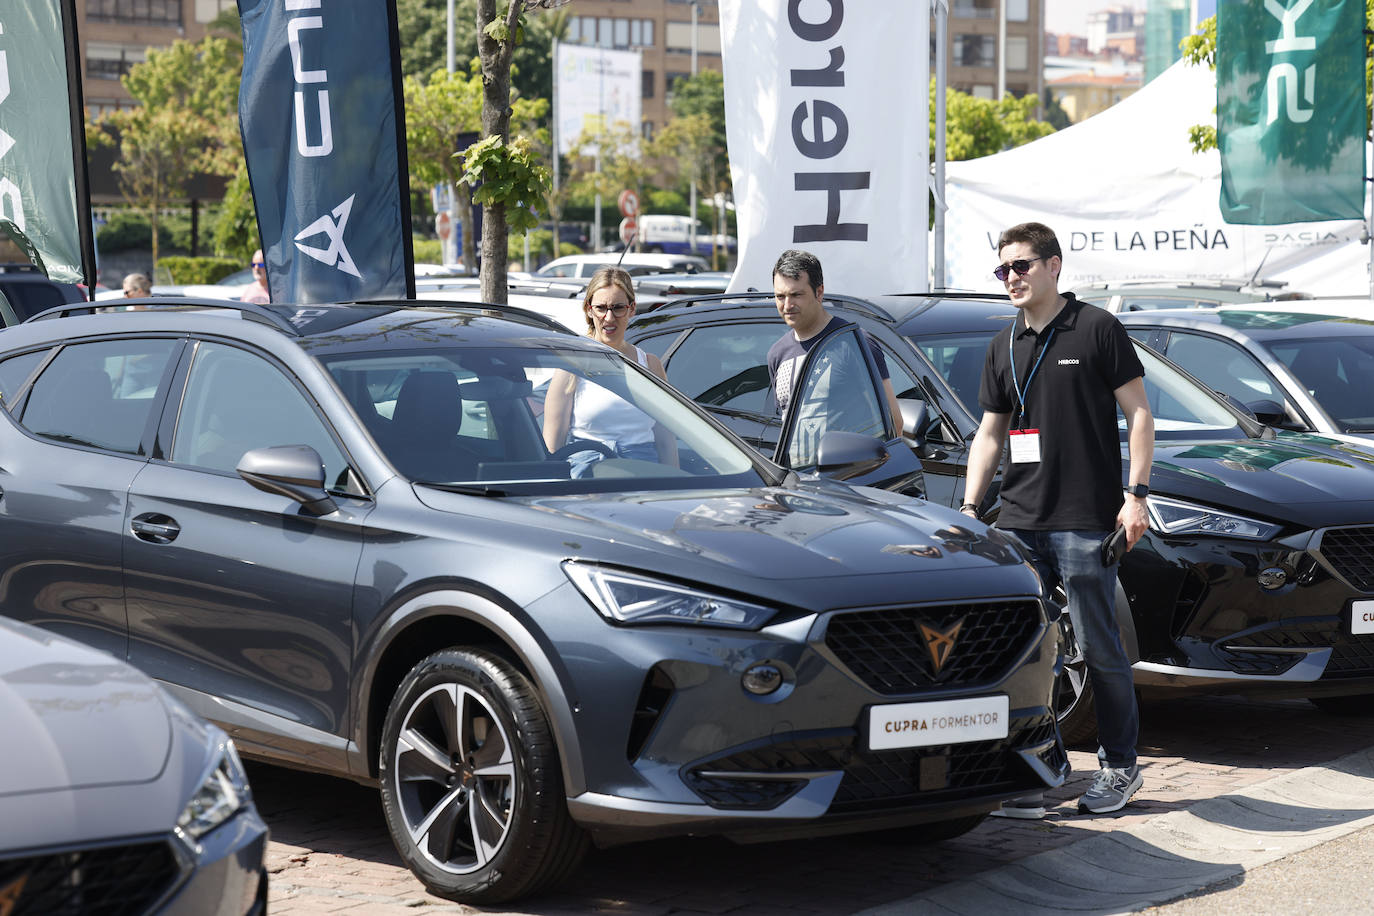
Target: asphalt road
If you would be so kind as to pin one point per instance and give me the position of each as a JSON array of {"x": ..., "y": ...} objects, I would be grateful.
[{"x": 330, "y": 851}]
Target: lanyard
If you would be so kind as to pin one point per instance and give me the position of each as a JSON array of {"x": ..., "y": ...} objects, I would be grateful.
[{"x": 1021, "y": 392}]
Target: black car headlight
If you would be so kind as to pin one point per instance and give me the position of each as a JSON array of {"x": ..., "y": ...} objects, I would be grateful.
[
  {"x": 630, "y": 598},
  {"x": 1174, "y": 516},
  {"x": 222, "y": 793}
]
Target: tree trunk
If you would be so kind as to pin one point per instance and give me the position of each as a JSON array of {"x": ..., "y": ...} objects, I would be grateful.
[{"x": 496, "y": 111}]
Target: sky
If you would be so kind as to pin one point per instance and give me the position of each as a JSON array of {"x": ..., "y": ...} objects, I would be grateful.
[{"x": 1071, "y": 16}]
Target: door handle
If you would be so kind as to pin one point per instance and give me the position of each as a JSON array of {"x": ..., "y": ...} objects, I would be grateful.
[{"x": 155, "y": 528}]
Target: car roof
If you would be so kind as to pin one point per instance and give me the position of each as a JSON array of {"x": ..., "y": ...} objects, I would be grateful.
[
  {"x": 930, "y": 313},
  {"x": 1261, "y": 324}
]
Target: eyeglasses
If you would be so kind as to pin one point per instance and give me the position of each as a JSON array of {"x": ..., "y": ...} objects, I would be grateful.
[
  {"x": 262, "y": 264},
  {"x": 1020, "y": 265},
  {"x": 616, "y": 310}
]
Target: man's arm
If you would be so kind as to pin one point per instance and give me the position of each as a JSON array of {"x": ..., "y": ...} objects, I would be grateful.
[
  {"x": 1140, "y": 424},
  {"x": 985, "y": 454},
  {"x": 893, "y": 406}
]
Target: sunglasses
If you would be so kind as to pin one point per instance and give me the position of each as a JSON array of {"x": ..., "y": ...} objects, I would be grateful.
[
  {"x": 1020, "y": 265},
  {"x": 616, "y": 310},
  {"x": 262, "y": 264}
]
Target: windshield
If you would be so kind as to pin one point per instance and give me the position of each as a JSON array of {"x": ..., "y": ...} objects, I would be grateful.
[
  {"x": 473, "y": 419},
  {"x": 1182, "y": 408},
  {"x": 1339, "y": 374}
]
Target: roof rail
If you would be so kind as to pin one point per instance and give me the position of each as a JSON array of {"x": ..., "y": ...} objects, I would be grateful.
[
  {"x": 490, "y": 309},
  {"x": 250, "y": 310},
  {"x": 862, "y": 306}
]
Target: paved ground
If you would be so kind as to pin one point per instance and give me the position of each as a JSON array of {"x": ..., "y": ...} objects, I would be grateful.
[{"x": 331, "y": 854}]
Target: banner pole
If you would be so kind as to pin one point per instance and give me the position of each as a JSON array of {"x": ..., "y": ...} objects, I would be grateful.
[
  {"x": 398, "y": 97},
  {"x": 77, "y": 112}
]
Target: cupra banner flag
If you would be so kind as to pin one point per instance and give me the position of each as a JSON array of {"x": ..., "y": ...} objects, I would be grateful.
[
  {"x": 38, "y": 181},
  {"x": 323, "y": 136},
  {"x": 1291, "y": 110},
  {"x": 827, "y": 121}
]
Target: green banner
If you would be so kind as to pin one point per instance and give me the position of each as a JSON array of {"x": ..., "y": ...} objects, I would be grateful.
[
  {"x": 1291, "y": 110},
  {"x": 37, "y": 178}
]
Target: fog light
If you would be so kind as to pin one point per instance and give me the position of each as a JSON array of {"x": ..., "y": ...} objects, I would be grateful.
[
  {"x": 762, "y": 679},
  {"x": 1273, "y": 577}
]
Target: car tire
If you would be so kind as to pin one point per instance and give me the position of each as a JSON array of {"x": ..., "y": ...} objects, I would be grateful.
[
  {"x": 1361, "y": 705},
  {"x": 934, "y": 832},
  {"x": 472, "y": 789}
]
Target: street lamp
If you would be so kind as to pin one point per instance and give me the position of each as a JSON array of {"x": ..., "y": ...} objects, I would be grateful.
[{"x": 692, "y": 188}]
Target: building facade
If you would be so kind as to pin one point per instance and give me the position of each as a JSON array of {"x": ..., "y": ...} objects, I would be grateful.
[{"x": 972, "y": 48}]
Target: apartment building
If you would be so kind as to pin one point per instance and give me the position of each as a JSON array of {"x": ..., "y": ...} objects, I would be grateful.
[{"x": 974, "y": 27}]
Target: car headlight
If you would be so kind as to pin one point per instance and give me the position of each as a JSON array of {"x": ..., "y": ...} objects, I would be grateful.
[
  {"x": 629, "y": 598},
  {"x": 1173, "y": 516},
  {"x": 221, "y": 794}
]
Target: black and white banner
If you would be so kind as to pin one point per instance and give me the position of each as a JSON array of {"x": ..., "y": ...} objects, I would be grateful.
[
  {"x": 827, "y": 119},
  {"x": 325, "y": 147}
]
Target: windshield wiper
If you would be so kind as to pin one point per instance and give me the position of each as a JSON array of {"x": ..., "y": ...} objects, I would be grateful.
[{"x": 468, "y": 489}]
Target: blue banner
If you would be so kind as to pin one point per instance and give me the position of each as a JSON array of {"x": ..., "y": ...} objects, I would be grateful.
[{"x": 325, "y": 147}]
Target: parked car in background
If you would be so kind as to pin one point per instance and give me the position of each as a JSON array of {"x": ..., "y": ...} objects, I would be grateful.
[
  {"x": 636, "y": 263},
  {"x": 670, "y": 234},
  {"x": 25, "y": 291},
  {"x": 1255, "y": 574},
  {"x": 1292, "y": 370},
  {"x": 114, "y": 797},
  {"x": 337, "y": 531},
  {"x": 1148, "y": 295}
]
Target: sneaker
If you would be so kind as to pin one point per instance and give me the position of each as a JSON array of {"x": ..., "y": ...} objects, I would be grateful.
[
  {"x": 1026, "y": 807},
  {"x": 1111, "y": 789}
]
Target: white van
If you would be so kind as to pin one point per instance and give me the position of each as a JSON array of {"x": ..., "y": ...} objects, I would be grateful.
[{"x": 669, "y": 234}]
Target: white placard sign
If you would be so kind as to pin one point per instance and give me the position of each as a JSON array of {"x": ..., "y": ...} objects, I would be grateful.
[
  {"x": 596, "y": 88},
  {"x": 827, "y": 119}
]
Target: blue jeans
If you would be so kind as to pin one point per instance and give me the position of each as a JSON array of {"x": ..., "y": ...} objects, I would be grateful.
[
  {"x": 581, "y": 462},
  {"x": 1074, "y": 558}
]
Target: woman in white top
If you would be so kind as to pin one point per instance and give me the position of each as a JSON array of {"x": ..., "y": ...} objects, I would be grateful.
[{"x": 576, "y": 409}]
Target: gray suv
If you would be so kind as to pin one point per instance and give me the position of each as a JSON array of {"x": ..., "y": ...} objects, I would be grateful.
[{"x": 336, "y": 531}]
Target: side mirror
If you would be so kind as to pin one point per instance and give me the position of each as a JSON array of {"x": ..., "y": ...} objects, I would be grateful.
[
  {"x": 915, "y": 415},
  {"x": 1268, "y": 412},
  {"x": 843, "y": 455},
  {"x": 1238, "y": 405},
  {"x": 293, "y": 471}
]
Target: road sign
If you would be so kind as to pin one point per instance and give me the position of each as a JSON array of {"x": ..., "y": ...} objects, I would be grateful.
[
  {"x": 443, "y": 225},
  {"x": 627, "y": 229},
  {"x": 628, "y": 203}
]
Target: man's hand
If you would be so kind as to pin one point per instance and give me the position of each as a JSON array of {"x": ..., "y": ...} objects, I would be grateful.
[{"x": 1133, "y": 518}]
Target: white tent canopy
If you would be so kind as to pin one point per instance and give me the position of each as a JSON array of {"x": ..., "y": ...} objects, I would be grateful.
[{"x": 1130, "y": 200}]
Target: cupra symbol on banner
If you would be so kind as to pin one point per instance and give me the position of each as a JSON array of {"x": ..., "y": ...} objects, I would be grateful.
[{"x": 336, "y": 255}]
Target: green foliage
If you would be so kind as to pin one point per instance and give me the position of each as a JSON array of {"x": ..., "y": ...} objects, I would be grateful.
[
  {"x": 980, "y": 127},
  {"x": 235, "y": 233},
  {"x": 128, "y": 229},
  {"x": 511, "y": 176},
  {"x": 541, "y": 247},
  {"x": 185, "y": 270},
  {"x": 661, "y": 201},
  {"x": 427, "y": 251}
]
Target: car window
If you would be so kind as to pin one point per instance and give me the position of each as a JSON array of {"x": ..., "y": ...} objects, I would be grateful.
[
  {"x": 14, "y": 372},
  {"x": 725, "y": 365},
  {"x": 236, "y": 401},
  {"x": 1223, "y": 366},
  {"x": 938, "y": 427},
  {"x": 31, "y": 297},
  {"x": 1182, "y": 409},
  {"x": 658, "y": 344},
  {"x": 98, "y": 394},
  {"x": 1141, "y": 334},
  {"x": 1339, "y": 373},
  {"x": 837, "y": 394},
  {"x": 1131, "y": 303},
  {"x": 959, "y": 360}
]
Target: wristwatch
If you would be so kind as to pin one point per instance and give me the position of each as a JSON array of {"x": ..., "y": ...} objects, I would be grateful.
[{"x": 1140, "y": 491}]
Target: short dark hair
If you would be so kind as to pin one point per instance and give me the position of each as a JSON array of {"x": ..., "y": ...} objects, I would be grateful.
[
  {"x": 793, "y": 262},
  {"x": 1038, "y": 236}
]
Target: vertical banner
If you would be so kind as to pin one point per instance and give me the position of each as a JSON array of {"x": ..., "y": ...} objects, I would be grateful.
[
  {"x": 38, "y": 165},
  {"x": 1291, "y": 110},
  {"x": 828, "y": 126},
  {"x": 323, "y": 135},
  {"x": 596, "y": 88}
]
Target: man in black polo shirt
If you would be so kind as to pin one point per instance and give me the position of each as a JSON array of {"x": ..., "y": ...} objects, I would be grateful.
[{"x": 1052, "y": 382}]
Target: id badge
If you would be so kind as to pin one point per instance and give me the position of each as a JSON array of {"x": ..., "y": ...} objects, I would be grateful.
[{"x": 1025, "y": 446}]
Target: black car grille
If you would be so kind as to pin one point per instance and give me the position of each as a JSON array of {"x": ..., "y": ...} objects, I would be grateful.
[
  {"x": 887, "y": 650},
  {"x": 1351, "y": 656},
  {"x": 1350, "y": 551},
  {"x": 873, "y": 780},
  {"x": 104, "y": 881}
]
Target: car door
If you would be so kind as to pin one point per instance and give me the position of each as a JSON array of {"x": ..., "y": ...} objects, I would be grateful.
[
  {"x": 840, "y": 391},
  {"x": 233, "y": 592},
  {"x": 77, "y": 441},
  {"x": 944, "y": 446},
  {"x": 1226, "y": 367}
]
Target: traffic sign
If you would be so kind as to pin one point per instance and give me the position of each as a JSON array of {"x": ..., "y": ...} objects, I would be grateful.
[
  {"x": 627, "y": 229},
  {"x": 628, "y": 203},
  {"x": 443, "y": 225}
]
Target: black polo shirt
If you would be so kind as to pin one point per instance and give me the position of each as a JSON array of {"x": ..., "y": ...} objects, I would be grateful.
[{"x": 1087, "y": 355}]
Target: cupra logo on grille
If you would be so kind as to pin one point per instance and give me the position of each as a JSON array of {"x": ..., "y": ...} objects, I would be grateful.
[
  {"x": 9, "y": 895},
  {"x": 940, "y": 643}
]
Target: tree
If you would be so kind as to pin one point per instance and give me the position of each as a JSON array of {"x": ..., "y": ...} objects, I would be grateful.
[
  {"x": 696, "y": 137},
  {"x": 513, "y": 179},
  {"x": 423, "y": 27},
  {"x": 980, "y": 127},
  {"x": 438, "y": 112},
  {"x": 186, "y": 122}
]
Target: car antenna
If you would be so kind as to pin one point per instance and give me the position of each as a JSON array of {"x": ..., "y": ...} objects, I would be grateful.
[
  {"x": 1259, "y": 267},
  {"x": 633, "y": 235}
]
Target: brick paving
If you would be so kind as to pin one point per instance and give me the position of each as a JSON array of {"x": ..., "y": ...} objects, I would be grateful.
[{"x": 330, "y": 852}]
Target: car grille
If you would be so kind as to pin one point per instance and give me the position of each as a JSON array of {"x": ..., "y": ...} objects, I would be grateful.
[
  {"x": 1350, "y": 551},
  {"x": 1351, "y": 656},
  {"x": 873, "y": 780},
  {"x": 103, "y": 881},
  {"x": 887, "y": 651}
]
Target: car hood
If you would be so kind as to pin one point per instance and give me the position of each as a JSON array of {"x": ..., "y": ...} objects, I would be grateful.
[
  {"x": 63, "y": 706},
  {"x": 822, "y": 534},
  {"x": 1311, "y": 480}
]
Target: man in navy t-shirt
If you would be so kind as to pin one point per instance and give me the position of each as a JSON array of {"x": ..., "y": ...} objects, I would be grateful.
[{"x": 798, "y": 288}]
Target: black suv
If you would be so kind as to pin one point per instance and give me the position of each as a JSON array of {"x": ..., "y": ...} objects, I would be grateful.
[
  {"x": 25, "y": 291},
  {"x": 1257, "y": 572},
  {"x": 336, "y": 531}
]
